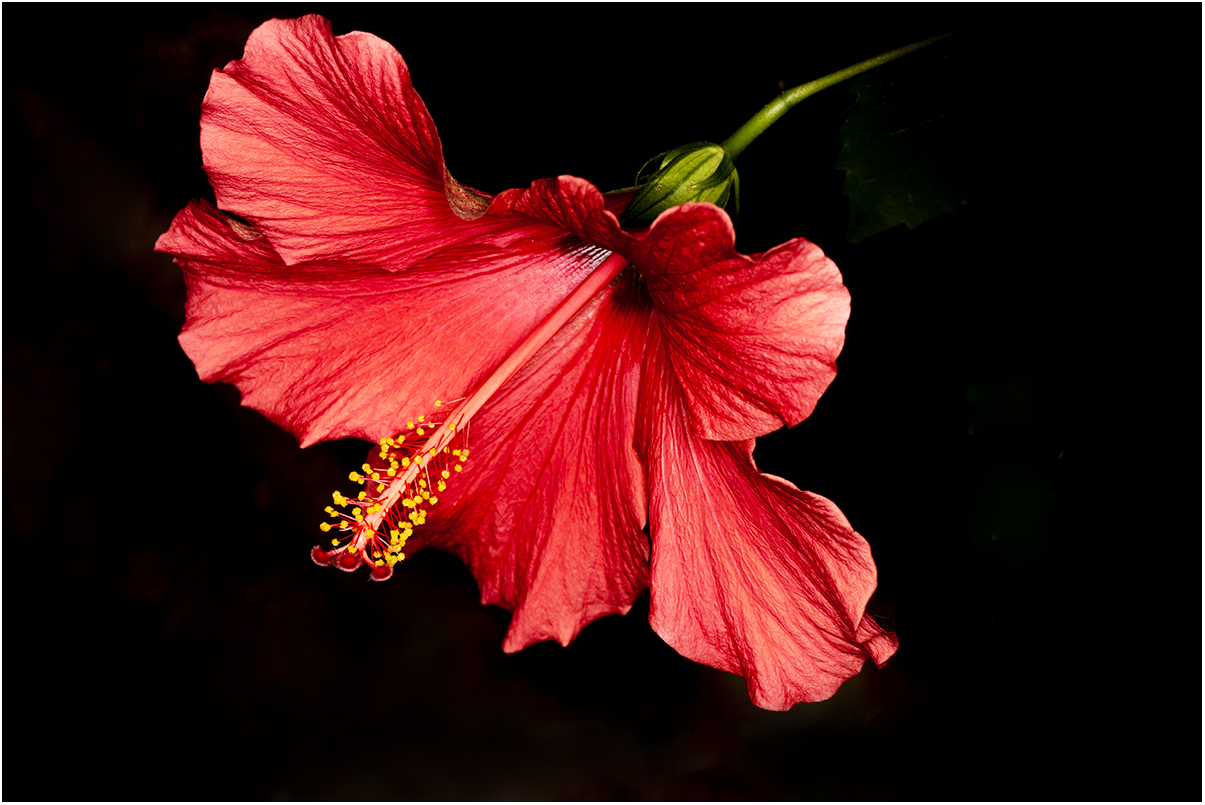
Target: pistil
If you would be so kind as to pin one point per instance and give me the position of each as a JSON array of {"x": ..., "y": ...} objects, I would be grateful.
[{"x": 405, "y": 479}]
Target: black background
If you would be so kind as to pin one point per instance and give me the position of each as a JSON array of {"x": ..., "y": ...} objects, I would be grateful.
[{"x": 1015, "y": 428}]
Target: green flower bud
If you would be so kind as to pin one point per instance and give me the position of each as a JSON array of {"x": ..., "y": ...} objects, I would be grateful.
[{"x": 694, "y": 172}]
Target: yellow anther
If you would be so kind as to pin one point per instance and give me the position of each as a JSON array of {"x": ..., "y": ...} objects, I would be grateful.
[
  {"x": 379, "y": 562},
  {"x": 330, "y": 510},
  {"x": 420, "y": 431},
  {"x": 438, "y": 403},
  {"x": 380, "y": 487},
  {"x": 421, "y": 418},
  {"x": 434, "y": 500},
  {"x": 325, "y": 526},
  {"x": 335, "y": 542},
  {"x": 422, "y": 483},
  {"x": 353, "y": 476},
  {"x": 356, "y": 511},
  {"x": 376, "y": 554},
  {"x": 440, "y": 486},
  {"x": 366, "y": 468},
  {"x": 405, "y": 462},
  {"x": 361, "y": 496},
  {"x": 392, "y": 472},
  {"x": 351, "y": 548},
  {"x": 446, "y": 474},
  {"x": 452, "y": 427},
  {"x": 433, "y": 451},
  {"x": 409, "y": 426},
  {"x": 458, "y": 468}
]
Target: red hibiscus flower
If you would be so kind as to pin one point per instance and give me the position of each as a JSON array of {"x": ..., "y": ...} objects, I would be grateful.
[{"x": 614, "y": 379}]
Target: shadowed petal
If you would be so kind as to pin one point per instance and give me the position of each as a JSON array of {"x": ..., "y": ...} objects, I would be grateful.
[
  {"x": 323, "y": 144},
  {"x": 330, "y": 350},
  {"x": 550, "y": 511},
  {"x": 750, "y": 574}
]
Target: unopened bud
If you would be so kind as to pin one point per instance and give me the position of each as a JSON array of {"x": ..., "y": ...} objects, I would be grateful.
[{"x": 694, "y": 172}]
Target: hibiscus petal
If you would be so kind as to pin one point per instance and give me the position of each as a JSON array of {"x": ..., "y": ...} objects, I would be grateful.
[
  {"x": 750, "y": 574},
  {"x": 323, "y": 144},
  {"x": 550, "y": 510},
  {"x": 330, "y": 350},
  {"x": 753, "y": 340}
]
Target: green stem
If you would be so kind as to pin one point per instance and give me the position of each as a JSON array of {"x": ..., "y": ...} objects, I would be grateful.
[{"x": 779, "y": 106}]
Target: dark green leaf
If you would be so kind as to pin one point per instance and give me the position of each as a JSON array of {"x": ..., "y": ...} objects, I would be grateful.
[{"x": 905, "y": 139}]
